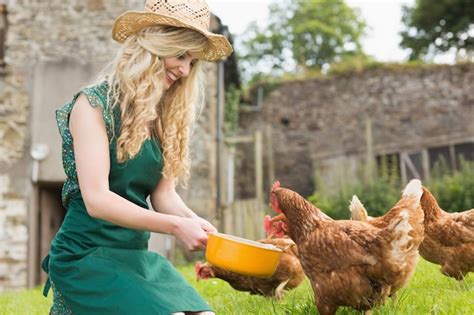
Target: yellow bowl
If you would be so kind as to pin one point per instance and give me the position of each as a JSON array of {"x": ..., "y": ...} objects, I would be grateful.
[{"x": 241, "y": 255}]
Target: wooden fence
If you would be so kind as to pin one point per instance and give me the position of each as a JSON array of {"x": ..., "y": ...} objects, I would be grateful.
[{"x": 244, "y": 218}]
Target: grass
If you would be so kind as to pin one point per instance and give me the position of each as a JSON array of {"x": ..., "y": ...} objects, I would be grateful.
[
  {"x": 25, "y": 302},
  {"x": 429, "y": 292}
]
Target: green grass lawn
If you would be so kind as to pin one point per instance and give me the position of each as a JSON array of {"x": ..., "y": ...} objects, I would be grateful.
[{"x": 429, "y": 292}]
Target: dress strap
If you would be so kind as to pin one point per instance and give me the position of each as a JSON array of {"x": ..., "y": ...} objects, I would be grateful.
[
  {"x": 45, "y": 267},
  {"x": 46, "y": 288}
]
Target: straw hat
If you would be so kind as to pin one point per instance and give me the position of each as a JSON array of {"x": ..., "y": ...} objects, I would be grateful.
[{"x": 193, "y": 14}]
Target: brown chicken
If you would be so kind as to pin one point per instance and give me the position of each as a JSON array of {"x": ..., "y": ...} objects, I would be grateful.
[
  {"x": 449, "y": 238},
  {"x": 359, "y": 213},
  {"x": 288, "y": 275},
  {"x": 275, "y": 227},
  {"x": 352, "y": 263}
]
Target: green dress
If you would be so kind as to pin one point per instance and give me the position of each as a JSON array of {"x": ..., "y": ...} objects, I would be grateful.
[{"x": 96, "y": 267}]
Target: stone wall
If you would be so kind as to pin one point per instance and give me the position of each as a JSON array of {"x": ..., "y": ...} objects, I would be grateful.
[
  {"x": 409, "y": 107},
  {"x": 75, "y": 33},
  {"x": 14, "y": 110},
  {"x": 38, "y": 31},
  {"x": 79, "y": 29},
  {"x": 13, "y": 237}
]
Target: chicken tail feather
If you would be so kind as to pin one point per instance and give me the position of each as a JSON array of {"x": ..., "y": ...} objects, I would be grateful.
[
  {"x": 413, "y": 189},
  {"x": 358, "y": 212}
]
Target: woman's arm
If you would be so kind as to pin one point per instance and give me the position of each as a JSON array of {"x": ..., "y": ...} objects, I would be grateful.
[
  {"x": 91, "y": 150},
  {"x": 165, "y": 199}
]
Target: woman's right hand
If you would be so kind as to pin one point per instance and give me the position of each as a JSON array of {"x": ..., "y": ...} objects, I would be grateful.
[{"x": 191, "y": 232}]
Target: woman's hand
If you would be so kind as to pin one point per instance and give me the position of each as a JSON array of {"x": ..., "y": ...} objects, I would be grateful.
[
  {"x": 206, "y": 225},
  {"x": 192, "y": 232}
]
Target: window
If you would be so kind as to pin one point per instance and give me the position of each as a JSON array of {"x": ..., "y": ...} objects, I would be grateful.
[
  {"x": 388, "y": 165},
  {"x": 464, "y": 151},
  {"x": 432, "y": 161},
  {"x": 440, "y": 157},
  {"x": 416, "y": 168}
]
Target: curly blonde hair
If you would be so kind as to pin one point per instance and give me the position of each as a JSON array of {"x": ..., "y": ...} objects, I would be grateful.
[{"x": 136, "y": 80}]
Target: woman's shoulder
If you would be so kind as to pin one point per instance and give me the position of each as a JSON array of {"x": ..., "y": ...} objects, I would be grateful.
[{"x": 96, "y": 94}]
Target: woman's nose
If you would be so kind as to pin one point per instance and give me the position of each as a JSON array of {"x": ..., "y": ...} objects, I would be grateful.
[{"x": 184, "y": 68}]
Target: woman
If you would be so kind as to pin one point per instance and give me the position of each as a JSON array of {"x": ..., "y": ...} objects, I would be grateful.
[{"x": 125, "y": 139}]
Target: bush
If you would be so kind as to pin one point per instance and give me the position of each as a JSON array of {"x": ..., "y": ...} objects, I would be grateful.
[
  {"x": 454, "y": 191},
  {"x": 377, "y": 196}
]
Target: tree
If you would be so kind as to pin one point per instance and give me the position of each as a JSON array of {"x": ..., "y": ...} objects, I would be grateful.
[
  {"x": 438, "y": 26},
  {"x": 302, "y": 35}
]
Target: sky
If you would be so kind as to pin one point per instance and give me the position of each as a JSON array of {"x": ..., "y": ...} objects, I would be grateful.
[{"x": 382, "y": 16}]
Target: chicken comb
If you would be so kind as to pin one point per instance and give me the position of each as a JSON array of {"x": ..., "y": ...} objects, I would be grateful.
[
  {"x": 276, "y": 185},
  {"x": 197, "y": 267},
  {"x": 267, "y": 223}
]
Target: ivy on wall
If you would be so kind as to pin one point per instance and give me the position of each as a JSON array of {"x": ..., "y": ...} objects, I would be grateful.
[{"x": 231, "y": 110}]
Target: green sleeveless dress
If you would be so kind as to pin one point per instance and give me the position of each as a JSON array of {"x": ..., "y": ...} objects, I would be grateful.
[{"x": 96, "y": 267}]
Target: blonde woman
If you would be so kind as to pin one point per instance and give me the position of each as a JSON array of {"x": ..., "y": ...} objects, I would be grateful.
[{"x": 125, "y": 139}]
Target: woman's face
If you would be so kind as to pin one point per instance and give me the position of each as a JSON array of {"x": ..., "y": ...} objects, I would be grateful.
[{"x": 178, "y": 67}]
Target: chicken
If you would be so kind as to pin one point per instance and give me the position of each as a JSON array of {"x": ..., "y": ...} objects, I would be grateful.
[
  {"x": 275, "y": 227},
  {"x": 288, "y": 275},
  {"x": 278, "y": 227},
  {"x": 352, "y": 263},
  {"x": 359, "y": 213},
  {"x": 449, "y": 238}
]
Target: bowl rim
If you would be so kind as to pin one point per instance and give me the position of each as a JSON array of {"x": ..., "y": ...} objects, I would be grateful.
[{"x": 244, "y": 241}]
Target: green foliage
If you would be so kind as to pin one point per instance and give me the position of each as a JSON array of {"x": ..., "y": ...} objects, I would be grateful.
[
  {"x": 377, "y": 196},
  {"x": 347, "y": 66},
  {"x": 428, "y": 292},
  {"x": 378, "y": 192},
  {"x": 302, "y": 35},
  {"x": 454, "y": 190},
  {"x": 437, "y": 26},
  {"x": 231, "y": 111},
  {"x": 353, "y": 63}
]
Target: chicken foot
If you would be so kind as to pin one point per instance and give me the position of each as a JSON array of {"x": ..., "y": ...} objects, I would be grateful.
[{"x": 279, "y": 291}]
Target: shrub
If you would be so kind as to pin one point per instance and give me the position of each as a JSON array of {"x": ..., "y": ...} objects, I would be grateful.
[{"x": 454, "y": 191}]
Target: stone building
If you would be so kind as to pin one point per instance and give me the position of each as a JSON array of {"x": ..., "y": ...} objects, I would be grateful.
[
  {"x": 51, "y": 49},
  {"x": 326, "y": 128}
]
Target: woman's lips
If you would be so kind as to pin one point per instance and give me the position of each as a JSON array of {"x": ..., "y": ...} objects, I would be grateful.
[{"x": 171, "y": 77}]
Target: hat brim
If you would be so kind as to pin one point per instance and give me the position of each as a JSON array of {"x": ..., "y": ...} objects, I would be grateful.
[{"x": 131, "y": 22}]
